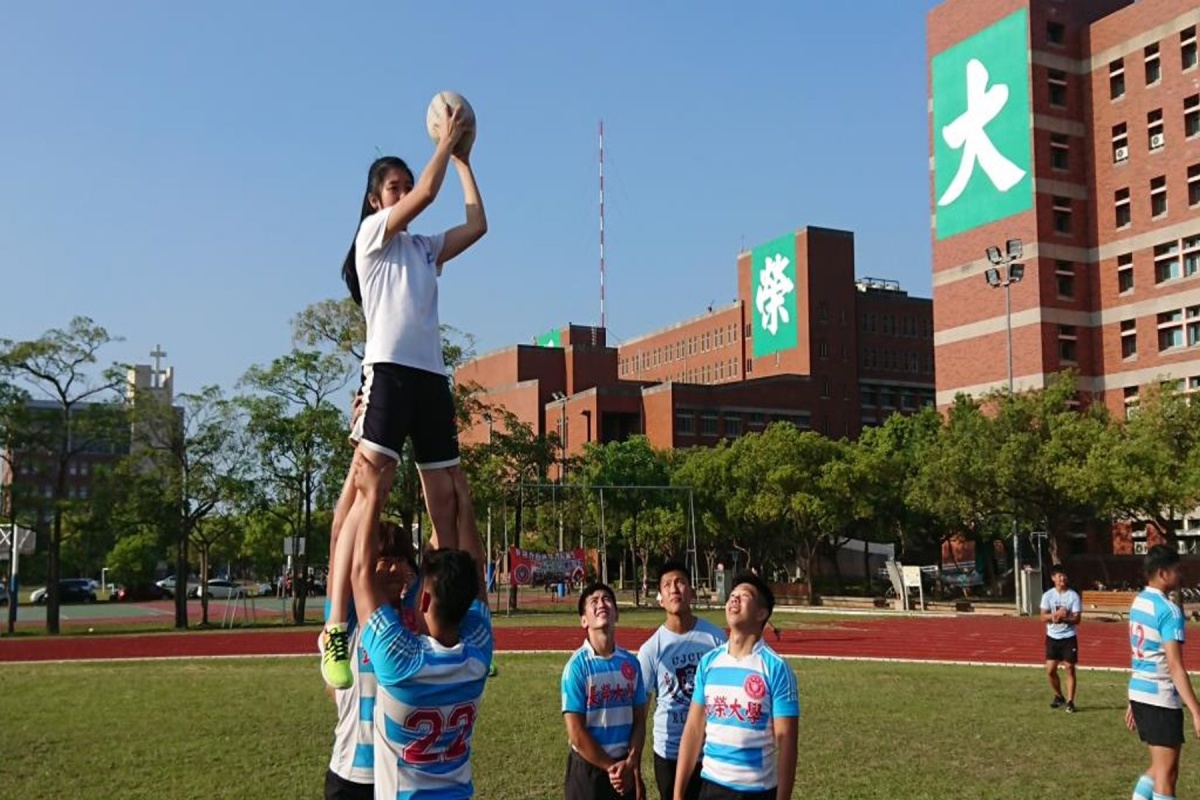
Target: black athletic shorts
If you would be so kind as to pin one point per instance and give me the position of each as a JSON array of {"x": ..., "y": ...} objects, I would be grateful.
[
  {"x": 1066, "y": 650},
  {"x": 1158, "y": 726},
  {"x": 585, "y": 781},
  {"x": 664, "y": 775},
  {"x": 338, "y": 788},
  {"x": 401, "y": 402},
  {"x": 715, "y": 791}
]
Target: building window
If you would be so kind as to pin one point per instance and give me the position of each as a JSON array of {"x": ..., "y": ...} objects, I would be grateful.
[
  {"x": 1123, "y": 208},
  {"x": 1193, "y": 325},
  {"x": 1187, "y": 47},
  {"x": 1153, "y": 65},
  {"x": 1170, "y": 330},
  {"x": 1131, "y": 401},
  {"x": 1116, "y": 78},
  {"x": 1058, "y": 88},
  {"x": 1154, "y": 129},
  {"x": 749, "y": 365},
  {"x": 685, "y": 423},
  {"x": 1120, "y": 143},
  {"x": 1191, "y": 115},
  {"x": 1125, "y": 273},
  {"x": 1193, "y": 176},
  {"x": 1128, "y": 338},
  {"x": 1064, "y": 275},
  {"x": 708, "y": 424},
  {"x": 825, "y": 387},
  {"x": 1067, "y": 344},
  {"x": 1158, "y": 196},
  {"x": 1060, "y": 151},
  {"x": 1056, "y": 33},
  {"x": 1062, "y": 214},
  {"x": 733, "y": 426},
  {"x": 823, "y": 311},
  {"x": 1191, "y": 255},
  {"x": 823, "y": 349},
  {"x": 1166, "y": 261}
]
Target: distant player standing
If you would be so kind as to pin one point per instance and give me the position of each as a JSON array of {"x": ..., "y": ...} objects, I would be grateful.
[
  {"x": 1061, "y": 611},
  {"x": 604, "y": 707},
  {"x": 745, "y": 709},
  {"x": 669, "y": 660},
  {"x": 1159, "y": 684}
]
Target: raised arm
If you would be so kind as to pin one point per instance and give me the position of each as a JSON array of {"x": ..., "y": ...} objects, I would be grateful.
[
  {"x": 426, "y": 189},
  {"x": 459, "y": 238}
]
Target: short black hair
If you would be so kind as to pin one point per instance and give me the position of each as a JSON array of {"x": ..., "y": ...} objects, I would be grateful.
[
  {"x": 591, "y": 589},
  {"x": 673, "y": 566},
  {"x": 765, "y": 596},
  {"x": 1058, "y": 569},
  {"x": 1159, "y": 558},
  {"x": 453, "y": 581}
]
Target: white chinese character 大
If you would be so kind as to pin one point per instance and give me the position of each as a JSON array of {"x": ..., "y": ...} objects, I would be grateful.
[
  {"x": 773, "y": 288},
  {"x": 967, "y": 133}
]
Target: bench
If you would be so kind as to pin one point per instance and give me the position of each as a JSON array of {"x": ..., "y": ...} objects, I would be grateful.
[{"x": 1107, "y": 602}]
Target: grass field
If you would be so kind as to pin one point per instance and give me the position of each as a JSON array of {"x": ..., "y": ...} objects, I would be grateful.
[{"x": 262, "y": 728}]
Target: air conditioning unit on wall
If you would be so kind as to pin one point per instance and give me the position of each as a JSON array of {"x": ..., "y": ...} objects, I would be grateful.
[
  {"x": 1157, "y": 140},
  {"x": 1139, "y": 548},
  {"x": 1121, "y": 154}
]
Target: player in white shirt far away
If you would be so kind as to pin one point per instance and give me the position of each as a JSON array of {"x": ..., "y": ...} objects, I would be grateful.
[
  {"x": 669, "y": 660},
  {"x": 1061, "y": 611},
  {"x": 1158, "y": 682}
]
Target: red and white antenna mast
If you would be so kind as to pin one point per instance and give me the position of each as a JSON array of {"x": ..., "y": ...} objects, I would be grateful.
[{"x": 601, "y": 223}]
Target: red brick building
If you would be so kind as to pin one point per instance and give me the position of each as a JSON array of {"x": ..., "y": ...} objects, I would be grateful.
[
  {"x": 1093, "y": 109},
  {"x": 804, "y": 342}
]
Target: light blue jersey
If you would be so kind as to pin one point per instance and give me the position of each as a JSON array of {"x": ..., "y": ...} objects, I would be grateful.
[
  {"x": 1153, "y": 620},
  {"x": 605, "y": 691},
  {"x": 669, "y": 661},
  {"x": 1053, "y": 600},
  {"x": 426, "y": 704},
  {"x": 742, "y": 697}
]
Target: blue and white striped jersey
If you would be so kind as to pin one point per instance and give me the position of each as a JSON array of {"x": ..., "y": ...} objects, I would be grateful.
[
  {"x": 605, "y": 691},
  {"x": 353, "y": 757},
  {"x": 428, "y": 697},
  {"x": 742, "y": 697},
  {"x": 1153, "y": 620},
  {"x": 669, "y": 661}
]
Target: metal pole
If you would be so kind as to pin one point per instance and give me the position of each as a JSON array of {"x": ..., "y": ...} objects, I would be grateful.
[
  {"x": 1008, "y": 326},
  {"x": 695, "y": 549},
  {"x": 603, "y": 543},
  {"x": 1018, "y": 589}
]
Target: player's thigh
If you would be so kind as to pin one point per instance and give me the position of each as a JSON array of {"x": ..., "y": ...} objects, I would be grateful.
[
  {"x": 434, "y": 427},
  {"x": 389, "y": 403},
  {"x": 338, "y": 788},
  {"x": 1051, "y": 667}
]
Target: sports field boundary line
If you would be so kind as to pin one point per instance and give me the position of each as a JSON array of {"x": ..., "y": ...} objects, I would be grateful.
[{"x": 797, "y": 657}]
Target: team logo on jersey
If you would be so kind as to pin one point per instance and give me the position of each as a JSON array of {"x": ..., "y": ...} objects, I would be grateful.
[
  {"x": 366, "y": 659},
  {"x": 628, "y": 671},
  {"x": 755, "y": 687},
  {"x": 685, "y": 682}
]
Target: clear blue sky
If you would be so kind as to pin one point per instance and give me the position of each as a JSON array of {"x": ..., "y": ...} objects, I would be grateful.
[{"x": 190, "y": 174}]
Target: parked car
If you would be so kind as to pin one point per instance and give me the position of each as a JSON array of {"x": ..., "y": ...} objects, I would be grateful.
[
  {"x": 70, "y": 590},
  {"x": 221, "y": 588}
]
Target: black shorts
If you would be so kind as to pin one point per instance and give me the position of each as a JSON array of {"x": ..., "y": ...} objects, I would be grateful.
[
  {"x": 1066, "y": 650},
  {"x": 585, "y": 781},
  {"x": 1158, "y": 726},
  {"x": 401, "y": 402},
  {"x": 664, "y": 775},
  {"x": 338, "y": 788},
  {"x": 715, "y": 791}
]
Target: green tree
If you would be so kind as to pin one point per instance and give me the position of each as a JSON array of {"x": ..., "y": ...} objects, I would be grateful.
[
  {"x": 133, "y": 559},
  {"x": 83, "y": 411}
]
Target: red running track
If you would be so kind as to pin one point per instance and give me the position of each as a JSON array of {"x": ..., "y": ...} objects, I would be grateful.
[{"x": 965, "y": 638}]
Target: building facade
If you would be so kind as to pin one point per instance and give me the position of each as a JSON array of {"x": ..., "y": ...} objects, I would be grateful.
[
  {"x": 1072, "y": 126},
  {"x": 804, "y": 342}
]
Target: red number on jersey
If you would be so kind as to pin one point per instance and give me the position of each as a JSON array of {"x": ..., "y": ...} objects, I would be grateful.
[
  {"x": 430, "y": 724},
  {"x": 1136, "y": 630}
]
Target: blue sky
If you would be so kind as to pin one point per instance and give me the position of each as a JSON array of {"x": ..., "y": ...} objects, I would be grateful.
[{"x": 190, "y": 174}]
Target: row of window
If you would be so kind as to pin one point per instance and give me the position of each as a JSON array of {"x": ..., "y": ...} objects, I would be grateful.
[
  {"x": 894, "y": 397},
  {"x": 1156, "y": 134},
  {"x": 1152, "y": 63},
  {"x": 73, "y": 492},
  {"x": 711, "y": 422},
  {"x": 708, "y": 373},
  {"x": 908, "y": 326},
  {"x": 1123, "y": 201},
  {"x": 73, "y": 468},
  {"x": 897, "y": 361},
  {"x": 717, "y": 338},
  {"x": 1173, "y": 259}
]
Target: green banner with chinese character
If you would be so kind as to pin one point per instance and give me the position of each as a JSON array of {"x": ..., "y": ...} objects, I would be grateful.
[{"x": 773, "y": 295}]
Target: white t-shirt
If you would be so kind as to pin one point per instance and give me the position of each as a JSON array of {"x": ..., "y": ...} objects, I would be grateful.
[
  {"x": 1053, "y": 600},
  {"x": 399, "y": 283}
]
